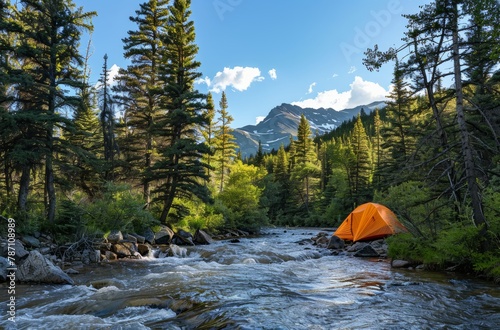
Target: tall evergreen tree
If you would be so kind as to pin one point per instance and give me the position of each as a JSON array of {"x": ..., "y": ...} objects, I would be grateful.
[
  {"x": 180, "y": 168},
  {"x": 50, "y": 41},
  {"x": 306, "y": 167},
  {"x": 208, "y": 133},
  {"x": 84, "y": 168},
  {"x": 139, "y": 87},
  {"x": 362, "y": 163},
  {"x": 225, "y": 150},
  {"x": 107, "y": 117},
  {"x": 396, "y": 132}
]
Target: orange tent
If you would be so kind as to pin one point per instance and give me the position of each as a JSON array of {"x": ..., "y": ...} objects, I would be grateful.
[{"x": 369, "y": 221}]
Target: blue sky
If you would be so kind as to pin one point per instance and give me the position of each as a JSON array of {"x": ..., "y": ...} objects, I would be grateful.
[{"x": 267, "y": 52}]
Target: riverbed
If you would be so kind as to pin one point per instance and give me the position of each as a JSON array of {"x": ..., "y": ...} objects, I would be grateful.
[{"x": 266, "y": 282}]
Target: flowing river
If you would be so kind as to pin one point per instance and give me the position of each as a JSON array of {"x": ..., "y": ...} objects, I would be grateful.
[{"x": 269, "y": 282}]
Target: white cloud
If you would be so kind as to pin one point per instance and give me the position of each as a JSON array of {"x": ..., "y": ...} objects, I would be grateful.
[
  {"x": 352, "y": 69},
  {"x": 205, "y": 80},
  {"x": 335, "y": 75},
  {"x": 259, "y": 119},
  {"x": 273, "y": 74},
  {"x": 311, "y": 86},
  {"x": 361, "y": 92},
  {"x": 240, "y": 78}
]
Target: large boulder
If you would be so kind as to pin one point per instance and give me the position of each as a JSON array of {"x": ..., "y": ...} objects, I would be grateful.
[
  {"x": 164, "y": 236},
  {"x": 115, "y": 236},
  {"x": 367, "y": 252},
  {"x": 110, "y": 255},
  {"x": 145, "y": 250},
  {"x": 183, "y": 238},
  {"x": 20, "y": 251},
  {"x": 201, "y": 237},
  {"x": 149, "y": 236},
  {"x": 37, "y": 268},
  {"x": 336, "y": 243},
  {"x": 31, "y": 241},
  {"x": 138, "y": 238},
  {"x": 124, "y": 249},
  {"x": 357, "y": 246}
]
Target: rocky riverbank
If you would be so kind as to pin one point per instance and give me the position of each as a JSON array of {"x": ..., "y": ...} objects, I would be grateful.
[
  {"x": 370, "y": 249},
  {"x": 38, "y": 259}
]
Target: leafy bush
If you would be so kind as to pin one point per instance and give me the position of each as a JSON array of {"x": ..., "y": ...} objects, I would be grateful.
[
  {"x": 457, "y": 246},
  {"x": 119, "y": 208},
  {"x": 70, "y": 222},
  {"x": 197, "y": 215},
  {"x": 240, "y": 198},
  {"x": 405, "y": 246}
]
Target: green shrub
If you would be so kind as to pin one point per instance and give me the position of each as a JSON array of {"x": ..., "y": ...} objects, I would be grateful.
[
  {"x": 119, "y": 208},
  {"x": 406, "y": 246},
  {"x": 456, "y": 246}
]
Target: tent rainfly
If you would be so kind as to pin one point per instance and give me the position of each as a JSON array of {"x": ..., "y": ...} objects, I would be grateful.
[{"x": 368, "y": 222}]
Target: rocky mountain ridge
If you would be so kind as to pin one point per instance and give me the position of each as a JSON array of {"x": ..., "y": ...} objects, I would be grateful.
[{"x": 283, "y": 121}]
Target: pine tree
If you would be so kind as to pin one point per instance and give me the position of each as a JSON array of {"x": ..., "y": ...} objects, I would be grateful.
[
  {"x": 225, "y": 150},
  {"x": 397, "y": 129},
  {"x": 49, "y": 43},
  {"x": 306, "y": 167},
  {"x": 377, "y": 149},
  {"x": 7, "y": 133},
  {"x": 361, "y": 168},
  {"x": 139, "y": 88},
  {"x": 84, "y": 167},
  {"x": 208, "y": 133},
  {"x": 180, "y": 168},
  {"x": 107, "y": 118}
]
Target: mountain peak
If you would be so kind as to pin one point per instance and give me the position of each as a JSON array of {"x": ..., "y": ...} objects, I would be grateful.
[{"x": 283, "y": 121}]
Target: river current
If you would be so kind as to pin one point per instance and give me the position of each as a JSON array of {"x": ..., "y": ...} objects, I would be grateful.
[{"x": 268, "y": 282}]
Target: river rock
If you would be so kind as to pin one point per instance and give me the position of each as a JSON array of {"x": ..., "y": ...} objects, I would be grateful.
[
  {"x": 124, "y": 249},
  {"x": 37, "y": 268},
  {"x": 91, "y": 256},
  {"x": 20, "y": 251},
  {"x": 183, "y": 238},
  {"x": 380, "y": 246},
  {"x": 336, "y": 243},
  {"x": 164, "y": 236},
  {"x": 115, "y": 236},
  {"x": 110, "y": 255},
  {"x": 149, "y": 236},
  {"x": 357, "y": 246},
  {"x": 103, "y": 247},
  {"x": 144, "y": 249},
  {"x": 399, "y": 263},
  {"x": 71, "y": 271},
  {"x": 202, "y": 237},
  {"x": 130, "y": 238},
  {"x": 138, "y": 238},
  {"x": 4, "y": 264},
  {"x": 31, "y": 241},
  {"x": 366, "y": 252}
]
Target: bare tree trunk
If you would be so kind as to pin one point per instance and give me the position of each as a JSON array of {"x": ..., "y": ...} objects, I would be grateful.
[
  {"x": 467, "y": 148},
  {"x": 24, "y": 185}
]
